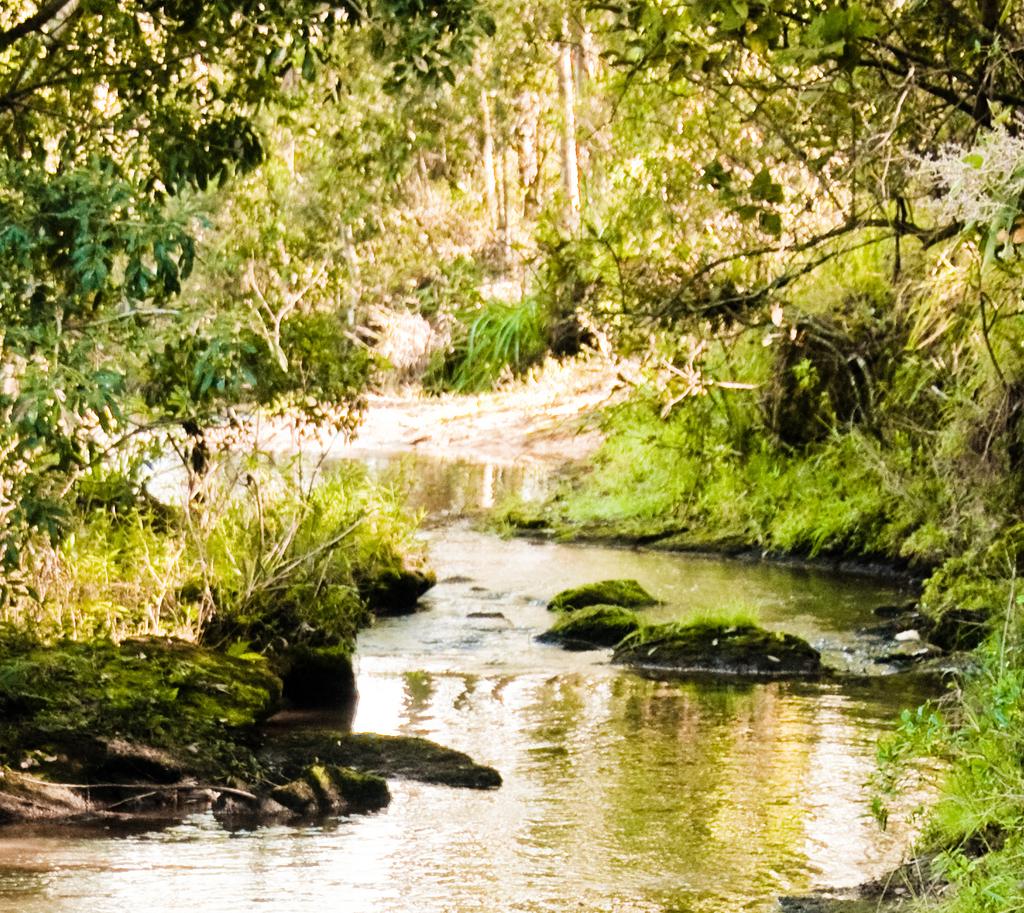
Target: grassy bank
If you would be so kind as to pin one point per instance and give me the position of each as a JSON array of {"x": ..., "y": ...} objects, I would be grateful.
[{"x": 254, "y": 543}]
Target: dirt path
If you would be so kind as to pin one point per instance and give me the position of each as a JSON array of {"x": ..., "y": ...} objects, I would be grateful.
[{"x": 549, "y": 419}]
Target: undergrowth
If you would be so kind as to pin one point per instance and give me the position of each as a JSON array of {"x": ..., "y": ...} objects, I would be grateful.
[
  {"x": 692, "y": 475},
  {"x": 975, "y": 829}
]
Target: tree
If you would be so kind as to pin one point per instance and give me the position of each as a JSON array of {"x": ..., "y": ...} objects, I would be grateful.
[
  {"x": 811, "y": 118},
  {"x": 119, "y": 122}
]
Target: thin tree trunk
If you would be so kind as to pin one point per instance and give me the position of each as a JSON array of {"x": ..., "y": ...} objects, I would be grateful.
[
  {"x": 508, "y": 182},
  {"x": 490, "y": 190},
  {"x": 527, "y": 131},
  {"x": 570, "y": 167}
]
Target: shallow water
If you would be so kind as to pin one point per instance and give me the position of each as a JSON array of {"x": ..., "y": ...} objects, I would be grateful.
[{"x": 620, "y": 793}]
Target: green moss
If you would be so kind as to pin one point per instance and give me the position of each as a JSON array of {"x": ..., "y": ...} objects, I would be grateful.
[
  {"x": 594, "y": 626},
  {"x": 362, "y": 791},
  {"x": 626, "y": 593},
  {"x": 728, "y": 617},
  {"x": 328, "y": 797}
]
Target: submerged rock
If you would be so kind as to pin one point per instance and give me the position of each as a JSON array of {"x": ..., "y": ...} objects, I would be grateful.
[
  {"x": 291, "y": 753},
  {"x": 594, "y": 626},
  {"x": 625, "y": 593},
  {"x": 742, "y": 650}
]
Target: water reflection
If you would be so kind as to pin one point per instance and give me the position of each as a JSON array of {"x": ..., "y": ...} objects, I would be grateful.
[{"x": 453, "y": 488}]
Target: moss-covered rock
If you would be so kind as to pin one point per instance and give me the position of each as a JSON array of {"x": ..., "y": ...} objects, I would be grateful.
[
  {"x": 336, "y": 790},
  {"x": 742, "y": 650},
  {"x": 289, "y": 754},
  {"x": 329, "y": 789},
  {"x": 298, "y": 796},
  {"x": 395, "y": 590},
  {"x": 361, "y": 791},
  {"x": 594, "y": 626},
  {"x": 625, "y": 593},
  {"x": 329, "y": 799},
  {"x": 90, "y": 708}
]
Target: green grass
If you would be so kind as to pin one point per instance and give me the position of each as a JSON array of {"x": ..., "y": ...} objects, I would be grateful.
[
  {"x": 727, "y": 617},
  {"x": 493, "y": 342},
  {"x": 695, "y": 474}
]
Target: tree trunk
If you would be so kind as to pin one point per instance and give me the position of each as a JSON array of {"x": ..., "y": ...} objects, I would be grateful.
[
  {"x": 505, "y": 207},
  {"x": 567, "y": 96},
  {"x": 527, "y": 132},
  {"x": 490, "y": 190}
]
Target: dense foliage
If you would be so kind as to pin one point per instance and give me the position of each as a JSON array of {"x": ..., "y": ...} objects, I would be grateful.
[{"x": 147, "y": 289}]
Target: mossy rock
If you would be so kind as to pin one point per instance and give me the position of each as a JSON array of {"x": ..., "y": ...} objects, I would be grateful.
[
  {"x": 362, "y": 791},
  {"x": 331, "y": 789},
  {"x": 298, "y": 796},
  {"x": 289, "y": 754},
  {"x": 592, "y": 627},
  {"x": 318, "y": 676},
  {"x": 73, "y": 701},
  {"x": 395, "y": 590},
  {"x": 625, "y": 593},
  {"x": 743, "y": 651}
]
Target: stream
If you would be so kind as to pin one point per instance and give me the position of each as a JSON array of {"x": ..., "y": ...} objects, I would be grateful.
[{"x": 620, "y": 793}]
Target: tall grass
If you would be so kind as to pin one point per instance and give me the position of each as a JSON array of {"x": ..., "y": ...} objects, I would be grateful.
[
  {"x": 975, "y": 830},
  {"x": 262, "y": 543},
  {"x": 494, "y": 342},
  {"x": 701, "y": 474}
]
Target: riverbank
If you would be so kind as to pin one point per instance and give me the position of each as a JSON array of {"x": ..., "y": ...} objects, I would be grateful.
[
  {"x": 156, "y": 729},
  {"x": 138, "y": 681}
]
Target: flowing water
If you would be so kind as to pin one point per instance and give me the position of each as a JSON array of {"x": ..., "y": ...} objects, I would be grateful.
[{"x": 620, "y": 793}]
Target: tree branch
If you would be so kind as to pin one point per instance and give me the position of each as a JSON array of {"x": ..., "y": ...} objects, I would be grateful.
[{"x": 47, "y": 13}]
